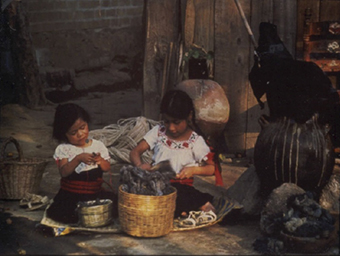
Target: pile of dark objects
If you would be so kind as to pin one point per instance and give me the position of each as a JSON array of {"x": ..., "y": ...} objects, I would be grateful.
[
  {"x": 300, "y": 92},
  {"x": 292, "y": 211},
  {"x": 141, "y": 182}
]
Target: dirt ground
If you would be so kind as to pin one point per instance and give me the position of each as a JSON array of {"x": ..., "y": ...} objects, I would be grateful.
[{"x": 20, "y": 232}]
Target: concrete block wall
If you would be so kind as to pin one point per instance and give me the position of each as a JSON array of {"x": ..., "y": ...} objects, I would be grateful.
[
  {"x": 78, "y": 35},
  {"x": 54, "y": 15}
]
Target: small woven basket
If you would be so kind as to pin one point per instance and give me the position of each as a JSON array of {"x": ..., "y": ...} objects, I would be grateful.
[
  {"x": 95, "y": 214},
  {"x": 146, "y": 216},
  {"x": 19, "y": 175},
  {"x": 309, "y": 245}
]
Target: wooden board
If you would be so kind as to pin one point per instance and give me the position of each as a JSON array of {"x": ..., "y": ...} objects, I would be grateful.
[
  {"x": 329, "y": 10},
  {"x": 162, "y": 17},
  {"x": 204, "y": 24},
  {"x": 189, "y": 24},
  {"x": 232, "y": 45},
  {"x": 234, "y": 59},
  {"x": 262, "y": 11},
  {"x": 285, "y": 17}
]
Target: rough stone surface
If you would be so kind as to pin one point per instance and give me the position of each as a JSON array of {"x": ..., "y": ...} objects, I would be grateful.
[
  {"x": 85, "y": 49},
  {"x": 277, "y": 200},
  {"x": 246, "y": 192},
  {"x": 330, "y": 195},
  {"x": 107, "y": 78}
]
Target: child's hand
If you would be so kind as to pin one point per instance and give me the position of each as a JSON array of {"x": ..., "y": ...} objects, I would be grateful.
[
  {"x": 101, "y": 162},
  {"x": 97, "y": 158},
  {"x": 186, "y": 173},
  {"x": 87, "y": 158},
  {"x": 145, "y": 166}
]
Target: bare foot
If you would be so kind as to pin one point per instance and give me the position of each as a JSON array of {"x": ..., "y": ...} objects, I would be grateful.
[{"x": 208, "y": 207}]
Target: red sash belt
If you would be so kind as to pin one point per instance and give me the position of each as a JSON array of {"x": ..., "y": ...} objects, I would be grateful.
[
  {"x": 82, "y": 187},
  {"x": 184, "y": 181},
  {"x": 218, "y": 175}
]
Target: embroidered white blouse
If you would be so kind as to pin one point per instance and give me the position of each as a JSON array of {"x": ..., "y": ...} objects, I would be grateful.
[
  {"x": 70, "y": 151},
  {"x": 180, "y": 153}
]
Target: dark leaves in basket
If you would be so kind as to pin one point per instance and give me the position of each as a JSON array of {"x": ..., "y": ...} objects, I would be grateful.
[
  {"x": 304, "y": 218},
  {"x": 156, "y": 182},
  {"x": 315, "y": 221}
]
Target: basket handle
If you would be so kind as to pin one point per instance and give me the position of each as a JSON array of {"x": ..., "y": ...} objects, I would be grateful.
[{"x": 17, "y": 145}]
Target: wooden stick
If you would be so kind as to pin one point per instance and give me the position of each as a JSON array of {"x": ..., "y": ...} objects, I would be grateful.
[
  {"x": 239, "y": 7},
  {"x": 165, "y": 64}
]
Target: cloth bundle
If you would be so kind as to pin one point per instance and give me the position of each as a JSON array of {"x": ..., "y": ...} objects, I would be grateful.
[
  {"x": 304, "y": 218},
  {"x": 155, "y": 182}
]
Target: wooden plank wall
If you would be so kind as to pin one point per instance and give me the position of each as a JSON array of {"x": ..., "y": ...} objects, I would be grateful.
[
  {"x": 204, "y": 24},
  {"x": 218, "y": 26},
  {"x": 161, "y": 21},
  {"x": 234, "y": 59},
  {"x": 232, "y": 47}
]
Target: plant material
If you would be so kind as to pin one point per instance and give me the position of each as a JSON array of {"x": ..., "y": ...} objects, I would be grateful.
[{"x": 197, "y": 52}]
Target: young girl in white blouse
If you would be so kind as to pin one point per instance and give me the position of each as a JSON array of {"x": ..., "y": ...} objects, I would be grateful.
[
  {"x": 175, "y": 140},
  {"x": 81, "y": 162}
]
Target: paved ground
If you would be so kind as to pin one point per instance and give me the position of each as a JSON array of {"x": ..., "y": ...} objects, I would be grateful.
[{"x": 20, "y": 232}]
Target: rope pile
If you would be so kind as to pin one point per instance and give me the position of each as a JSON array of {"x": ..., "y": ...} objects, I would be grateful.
[{"x": 122, "y": 137}]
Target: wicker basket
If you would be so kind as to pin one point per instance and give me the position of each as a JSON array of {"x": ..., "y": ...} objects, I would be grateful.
[
  {"x": 309, "y": 245},
  {"x": 19, "y": 175},
  {"x": 146, "y": 216},
  {"x": 94, "y": 214}
]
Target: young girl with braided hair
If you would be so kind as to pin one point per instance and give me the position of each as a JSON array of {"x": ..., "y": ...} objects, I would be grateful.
[{"x": 178, "y": 141}]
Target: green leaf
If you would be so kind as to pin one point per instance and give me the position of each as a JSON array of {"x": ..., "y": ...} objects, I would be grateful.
[{"x": 196, "y": 55}]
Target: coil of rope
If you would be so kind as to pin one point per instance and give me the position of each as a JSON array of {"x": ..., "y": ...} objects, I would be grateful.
[{"x": 122, "y": 137}]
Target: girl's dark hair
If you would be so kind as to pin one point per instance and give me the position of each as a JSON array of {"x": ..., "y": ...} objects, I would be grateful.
[
  {"x": 64, "y": 117},
  {"x": 177, "y": 104}
]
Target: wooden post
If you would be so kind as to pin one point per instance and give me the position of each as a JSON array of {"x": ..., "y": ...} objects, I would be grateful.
[
  {"x": 232, "y": 46},
  {"x": 162, "y": 18}
]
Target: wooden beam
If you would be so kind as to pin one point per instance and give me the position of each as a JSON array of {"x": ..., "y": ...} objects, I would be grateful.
[{"x": 162, "y": 18}]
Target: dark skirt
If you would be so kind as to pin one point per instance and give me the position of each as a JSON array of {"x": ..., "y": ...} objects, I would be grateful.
[
  {"x": 63, "y": 208},
  {"x": 189, "y": 199}
]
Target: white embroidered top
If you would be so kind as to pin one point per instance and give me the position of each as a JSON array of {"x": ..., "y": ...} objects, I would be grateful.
[
  {"x": 70, "y": 151},
  {"x": 180, "y": 153}
]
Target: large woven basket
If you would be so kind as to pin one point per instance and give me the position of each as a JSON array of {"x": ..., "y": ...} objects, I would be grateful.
[
  {"x": 19, "y": 175},
  {"x": 95, "y": 214},
  {"x": 146, "y": 216}
]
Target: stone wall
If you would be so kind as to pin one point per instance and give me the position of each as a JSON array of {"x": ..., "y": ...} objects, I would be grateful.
[
  {"x": 83, "y": 35},
  {"x": 52, "y": 15}
]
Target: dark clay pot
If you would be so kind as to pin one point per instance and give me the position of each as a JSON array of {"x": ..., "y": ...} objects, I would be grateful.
[
  {"x": 286, "y": 151},
  {"x": 198, "y": 69}
]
